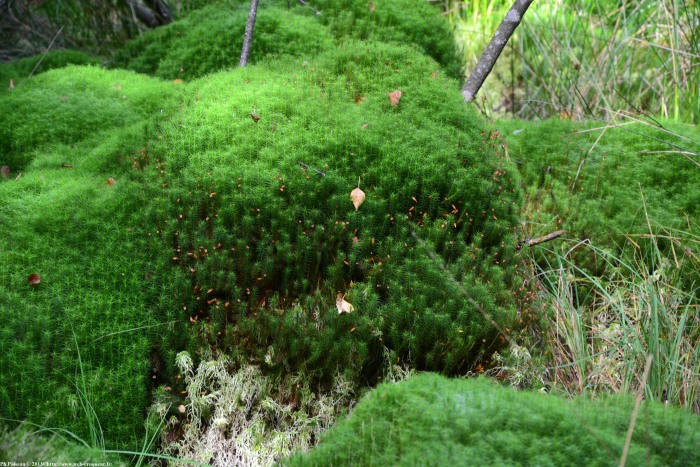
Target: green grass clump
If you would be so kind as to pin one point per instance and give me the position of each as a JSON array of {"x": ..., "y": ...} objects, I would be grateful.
[
  {"x": 432, "y": 420},
  {"x": 67, "y": 105},
  {"x": 260, "y": 244}
]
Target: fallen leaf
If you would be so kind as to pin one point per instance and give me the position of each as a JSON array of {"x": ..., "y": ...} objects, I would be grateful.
[
  {"x": 357, "y": 196},
  {"x": 34, "y": 279},
  {"x": 255, "y": 117},
  {"x": 342, "y": 305},
  {"x": 359, "y": 99},
  {"x": 394, "y": 97},
  {"x": 111, "y": 181},
  {"x": 5, "y": 171}
]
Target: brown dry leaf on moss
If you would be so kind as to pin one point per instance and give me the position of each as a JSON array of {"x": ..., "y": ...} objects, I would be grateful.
[
  {"x": 358, "y": 197},
  {"x": 342, "y": 305},
  {"x": 34, "y": 279},
  {"x": 394, "y": 97}
]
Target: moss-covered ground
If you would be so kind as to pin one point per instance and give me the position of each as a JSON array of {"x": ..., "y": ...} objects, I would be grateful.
[
  {"x": 432, "y": 420},
  {"x": 173, "y": 203}
]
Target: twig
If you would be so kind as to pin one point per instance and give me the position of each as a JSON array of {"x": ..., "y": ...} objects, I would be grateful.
[
  {"x": 542, "y": 239},
  {"x": 45, "y": 52},
  {"x": 545, "y": 238},
  {"x": 312, "y": 168},
  {"x": 306, "y": 4}
]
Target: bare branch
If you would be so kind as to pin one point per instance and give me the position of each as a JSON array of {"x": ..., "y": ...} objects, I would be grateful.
[{"x": 494, "y": 49}]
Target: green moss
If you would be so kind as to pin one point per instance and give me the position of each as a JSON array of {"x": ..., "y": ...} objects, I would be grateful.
[
  {"x": 211, "y": 39},
  {"x": 63, "y": 221},
  {"x": 24, "y": 445},
  {"x": 70, "y": 104},
  {"x": 609, "y": 185},
  {"x": 432, "y": 420},
  {"x": 19, "y": 70},
  {"x": 261, "y": 244},
  {"x": 400, "y": 21}
]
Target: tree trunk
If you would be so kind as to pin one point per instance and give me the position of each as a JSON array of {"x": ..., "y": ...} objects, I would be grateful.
[
  {"x": 248, "y": 37},
  {"x": 494, "y": 49}
]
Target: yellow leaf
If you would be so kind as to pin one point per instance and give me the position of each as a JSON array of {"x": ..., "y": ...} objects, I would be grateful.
[{"x": 342, "y": 305}]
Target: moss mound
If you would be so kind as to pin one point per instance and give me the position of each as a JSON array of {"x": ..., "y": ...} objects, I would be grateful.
[
  {"x": 65, "y": 106},
  {"x": 161, "y": 216},
  {"x": 611, "y": 185},
  {"x": 19, "y": 70},
  {"x": 24, "y": 445},
  {"x": 433, "y": 420},
  {"x": 210, "y": 39},
  {"x": 263, "y": 235}
]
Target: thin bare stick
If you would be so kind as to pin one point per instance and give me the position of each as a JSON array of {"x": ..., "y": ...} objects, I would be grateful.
[
  {"x": 545, "y": 238},
  {"x": 45, "y": 52},
  {"x": 635, "y": 412}
]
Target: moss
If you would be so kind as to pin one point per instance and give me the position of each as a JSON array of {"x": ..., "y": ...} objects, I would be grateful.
[
  {"x": 20, "y": 70},
  {"x": 210, "y": 40},
  {"x": 261, "y": 244},
  {"x": 70, "y": 104},
  {"x": 24, "y": 445},
  {"x": 610, "y": 186},
  {"x": 432, "y": 420},
  {"x": 399, "y": 21}
]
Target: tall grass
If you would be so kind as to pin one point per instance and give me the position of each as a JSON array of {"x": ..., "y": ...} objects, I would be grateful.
[
  {"x": 600, "y": 330},
  {"x": 585, "y": 57}
]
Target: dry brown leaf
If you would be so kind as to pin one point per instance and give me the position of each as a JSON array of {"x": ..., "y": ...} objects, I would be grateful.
[
  {"x": 394, "y": 97},
  {"x": 255, "y": 117},
  {"x": 342, "y": 305},
  {"x": 358, "y": 197},
  {"x": 111, "y": 181},
  {"x": 34, "y": 279}
]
